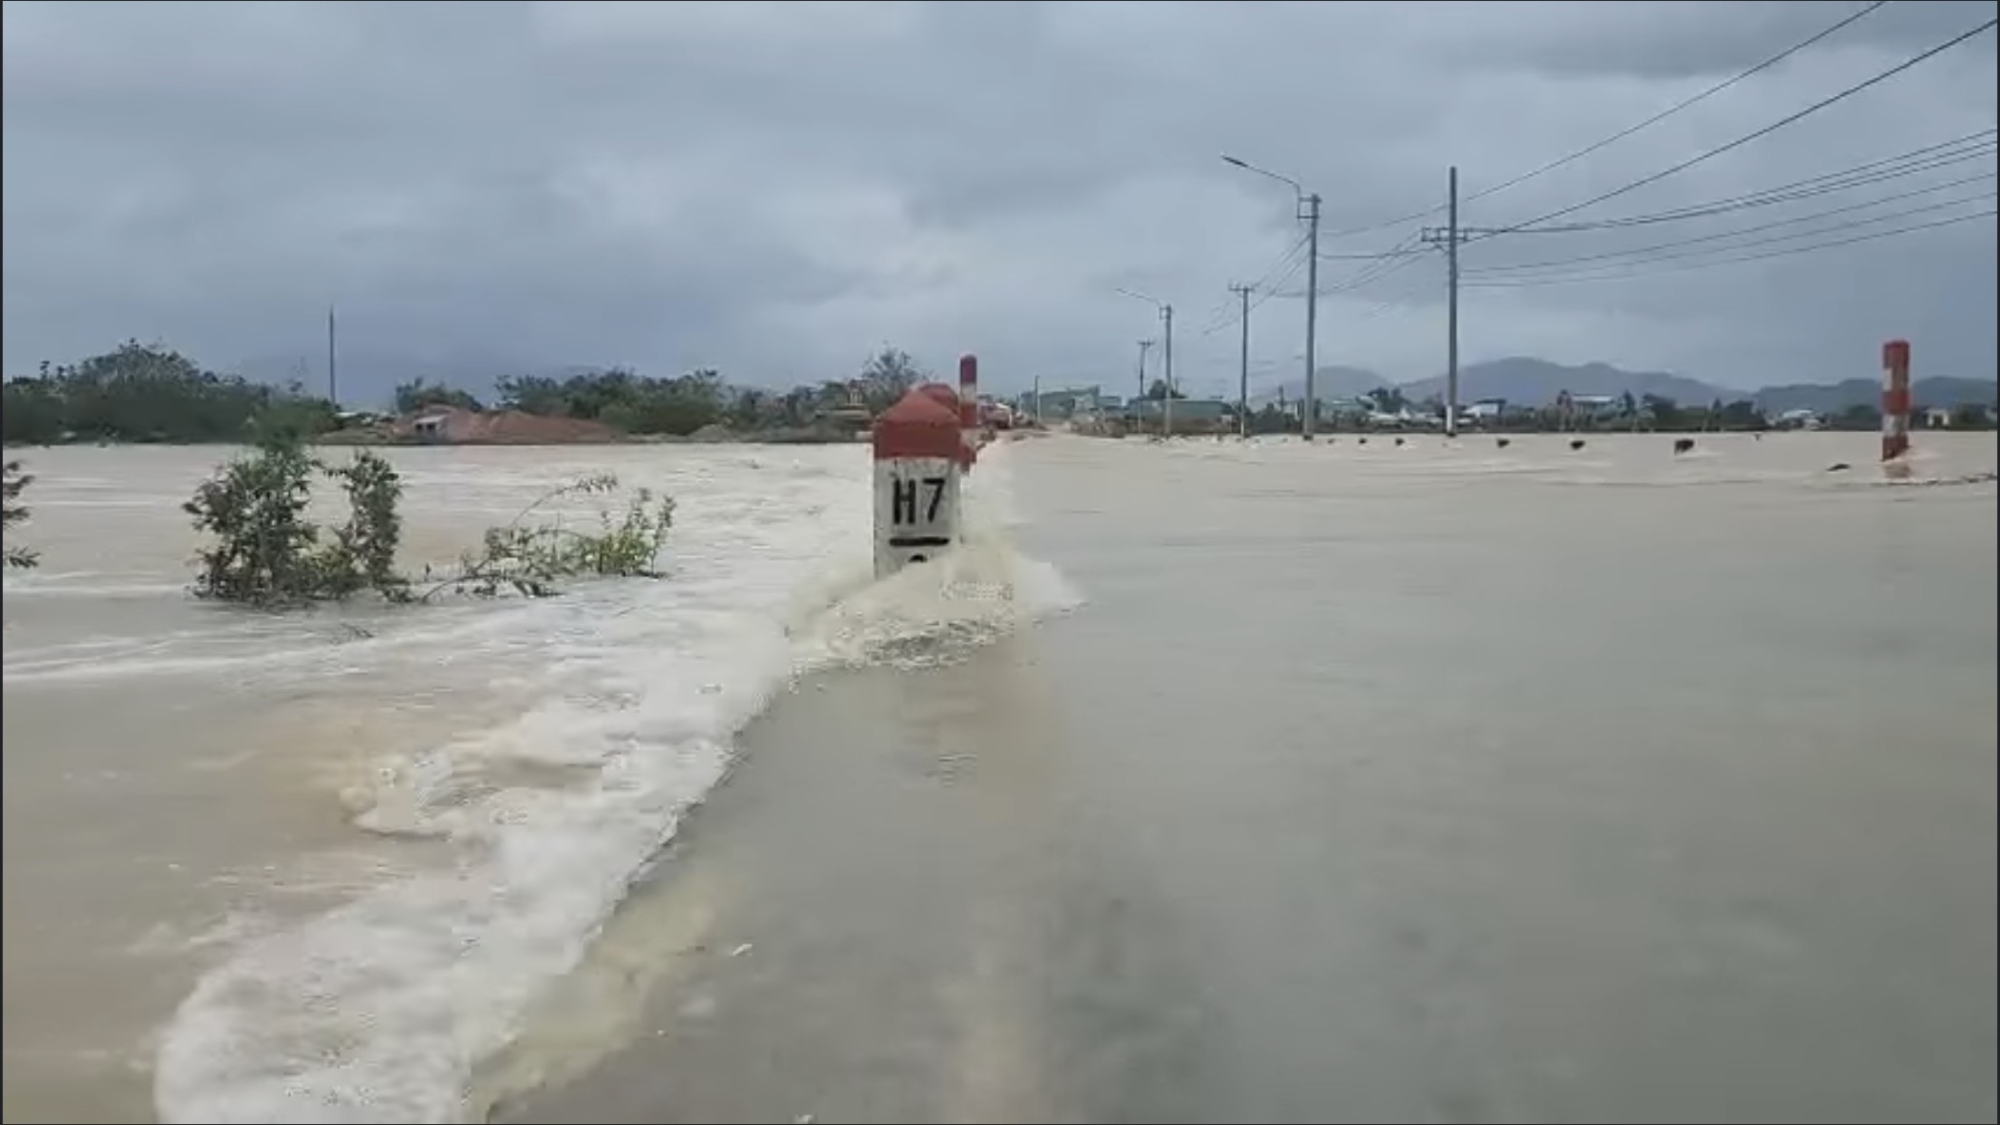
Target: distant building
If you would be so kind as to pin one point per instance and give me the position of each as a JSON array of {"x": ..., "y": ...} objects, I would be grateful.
[
  {"x": 1201, "y": 414},
  {"x": 1596, "y": 406},
  {"x": 1326, "y": 409},
  {"x": 1061, "y": 405},
  {"x": 1344, "y": 409},
  {"x": 1483, "y": 412}
]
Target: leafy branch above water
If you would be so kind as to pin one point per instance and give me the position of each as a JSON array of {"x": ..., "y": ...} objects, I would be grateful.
[
  {"x": 266, "y": 551},
  {"x": 13, "y": 512},
  {"x": 530, "y": 558}
]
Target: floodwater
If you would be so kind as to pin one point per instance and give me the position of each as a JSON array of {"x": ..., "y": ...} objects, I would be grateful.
[{"x": 1213, "y": 783}]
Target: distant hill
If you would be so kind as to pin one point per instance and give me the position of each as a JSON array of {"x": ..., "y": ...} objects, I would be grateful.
[
  {"x": 1938, "y": 390},
  {"x": 1523, "y": 380}
]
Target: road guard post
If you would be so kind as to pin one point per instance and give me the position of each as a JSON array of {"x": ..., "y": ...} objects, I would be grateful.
[
  {"x": 918, "y": 453},
  {"x": 969, "y": 421},
  {"x": 1895, "y": 400}
]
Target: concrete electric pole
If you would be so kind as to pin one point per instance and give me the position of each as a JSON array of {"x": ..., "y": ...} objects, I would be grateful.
[
  {"x": 332, "y": 376},
  {"x": 1451, "y": 308},
  {"x": 1311, "y": 422},
  {"x": 1451, "y": 237},
  {"x": 1167, "y": 318},
  {"x": 1243, "y": 365},
  {"x": 1308, "y": 211}
]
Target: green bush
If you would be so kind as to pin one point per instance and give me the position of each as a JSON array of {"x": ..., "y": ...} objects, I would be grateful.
[{"x": 266, "y": 552}]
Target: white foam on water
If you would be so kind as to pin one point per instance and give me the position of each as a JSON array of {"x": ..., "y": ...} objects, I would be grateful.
[
  {"x": 262, "y": 647},
  {"x": 379, "y": 1010},
  {"x": 86, "y": 584}
]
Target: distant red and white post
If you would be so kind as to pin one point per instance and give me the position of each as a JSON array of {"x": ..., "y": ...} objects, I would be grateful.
[
  {"x": 919, "y": 446},
  {"x": 1895, "y": 399},
  {"x": 968, "y": 406}
]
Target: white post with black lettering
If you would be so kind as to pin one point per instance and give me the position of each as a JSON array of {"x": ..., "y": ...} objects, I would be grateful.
[{"x": 919, "y": 450}]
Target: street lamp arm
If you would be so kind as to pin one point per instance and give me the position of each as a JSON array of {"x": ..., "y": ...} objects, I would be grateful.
[{"x": 1296, "y": 187}]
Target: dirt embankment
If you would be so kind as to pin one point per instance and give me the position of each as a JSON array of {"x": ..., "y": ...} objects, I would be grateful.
[{"x": 447, "y": 426}]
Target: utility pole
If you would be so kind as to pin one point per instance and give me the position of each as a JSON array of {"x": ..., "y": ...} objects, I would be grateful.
[
  {"x": 1312, "y": 312},
  {"x": 1451, "y": 307},
  {"x": 1451, "y": 238},
  {"x": 1167, "y": 398},
  {"x": 332, "y": 374},
  {"x": 1308, "y": 210},
  {"x": 1243, "y": 365}
]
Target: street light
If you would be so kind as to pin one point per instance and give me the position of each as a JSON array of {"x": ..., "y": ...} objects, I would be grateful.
[
  {"x": 1308, "y": 209},
  {"x": 1166, "y": 315}
]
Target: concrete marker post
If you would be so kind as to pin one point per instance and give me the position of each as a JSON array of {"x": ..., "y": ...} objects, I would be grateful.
[
  {"x": 1895, "y": 400},
  {"x": 968, "y": 406},
  {"x": 919, "y": 449}
]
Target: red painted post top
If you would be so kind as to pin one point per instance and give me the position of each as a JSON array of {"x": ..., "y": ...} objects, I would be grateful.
[
  {"x": 918, "y": 426},
  {"x": 968, "y": 391},
  {"x": 1896, "y": 353},
  {"x": 944, "y": 396},
  {"x": 941, "y": 394}
]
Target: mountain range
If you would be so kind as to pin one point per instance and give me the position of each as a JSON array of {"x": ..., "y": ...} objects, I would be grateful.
[{"x": 1520, "y": 379}]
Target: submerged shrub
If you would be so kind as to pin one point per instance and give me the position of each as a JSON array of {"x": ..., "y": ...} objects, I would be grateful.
[{"x": 267, "y": 552}]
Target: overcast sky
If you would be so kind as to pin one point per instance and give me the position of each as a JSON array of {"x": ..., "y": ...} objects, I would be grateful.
[{"x": 775, "y": 189}]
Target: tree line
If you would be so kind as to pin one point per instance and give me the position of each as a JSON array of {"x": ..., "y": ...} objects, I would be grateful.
[
  {"x": 143, "y": 393},
  {"x": 148, "y": 393}
]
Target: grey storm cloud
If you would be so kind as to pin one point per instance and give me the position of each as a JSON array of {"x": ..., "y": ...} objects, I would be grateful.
[{"x": 775, "y": 189}]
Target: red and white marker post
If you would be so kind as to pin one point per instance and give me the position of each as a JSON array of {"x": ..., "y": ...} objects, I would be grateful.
[
  {"x": 919, "y": 450},
  {"x": 968, "y": 406},
  {"x": 1895, "y": 400}
]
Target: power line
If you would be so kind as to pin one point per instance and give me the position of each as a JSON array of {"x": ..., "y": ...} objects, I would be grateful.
[
  {"x": 1364, "y": 279},
  {"x": 1766, "y": 131},
  {"x": 1960, "y": 150},
  {"x": 1536, "y": 282},
  {"x": 1218, "y": 316},
  {"x": 1289, "y": 262},
  {"x": 1267, "y": 286},
  {"x": 1629, "y": 130},
  {"x": 1677, "y": 107},
  {"x": 1608, "y": 255},
  {"x": 1902, "y": 214},
  {"x": 1374, "y": 257},
  {"x": 1398, "y": 257}
]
